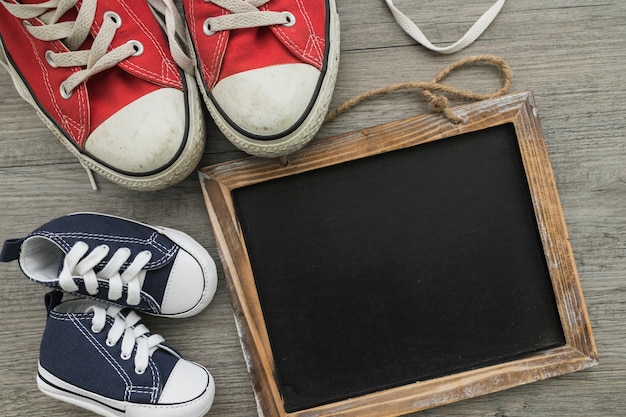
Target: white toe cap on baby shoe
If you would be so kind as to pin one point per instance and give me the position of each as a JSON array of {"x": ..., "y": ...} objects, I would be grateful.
[
  {"x": 193, "y": 277},
  {"x": 187, "y": 382}
]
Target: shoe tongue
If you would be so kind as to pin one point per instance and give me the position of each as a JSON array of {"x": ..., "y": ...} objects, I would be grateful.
[
  {"x": 32, "y": 1},
  {"x": 68, "y": 16},
  {"x": 77, "y": 306}
]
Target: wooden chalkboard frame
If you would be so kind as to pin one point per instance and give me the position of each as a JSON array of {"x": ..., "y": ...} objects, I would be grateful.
[{"x": 579, "y": 351}]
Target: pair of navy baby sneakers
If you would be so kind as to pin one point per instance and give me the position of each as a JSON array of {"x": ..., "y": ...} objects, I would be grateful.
[{"x": 94, "y": 353}]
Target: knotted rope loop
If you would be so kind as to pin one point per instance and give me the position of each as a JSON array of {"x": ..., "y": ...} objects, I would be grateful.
[{"x": 439, "y": 103}]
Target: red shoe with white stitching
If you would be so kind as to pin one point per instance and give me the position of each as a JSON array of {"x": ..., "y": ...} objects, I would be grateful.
[
  {"x": 100, "y": 74},
  {"x": 267, "y": 68}
]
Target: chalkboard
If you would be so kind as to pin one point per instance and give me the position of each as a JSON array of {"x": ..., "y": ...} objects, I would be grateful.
[{"x": 400, "y": 263}]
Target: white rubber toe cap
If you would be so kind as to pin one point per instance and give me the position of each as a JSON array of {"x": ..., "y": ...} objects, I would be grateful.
[
  {"x": 267, "y": 101},
  {"x": 193, "y": 278},
  {"x": 143, "y": 137},
  {"x": 185, "y": 287},
  {"x": 187, "y": 382}
]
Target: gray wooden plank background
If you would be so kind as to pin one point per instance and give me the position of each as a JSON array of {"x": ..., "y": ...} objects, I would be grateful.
[{"x": 571, "y": 54}]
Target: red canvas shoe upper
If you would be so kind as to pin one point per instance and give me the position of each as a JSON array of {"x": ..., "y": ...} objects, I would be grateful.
[
  {"x": 267, "y": 68},
  {"x": 92, "y": 102},
  {"x": 229, "y": 52}
]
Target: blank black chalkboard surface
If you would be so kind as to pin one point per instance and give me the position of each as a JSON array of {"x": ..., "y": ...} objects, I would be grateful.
[{"x": 401, "y": 267}]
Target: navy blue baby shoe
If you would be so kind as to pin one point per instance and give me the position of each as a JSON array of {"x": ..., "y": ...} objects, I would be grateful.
[
  {"x": 153, "y": 269},
  {"x": 96, "y": 356}
]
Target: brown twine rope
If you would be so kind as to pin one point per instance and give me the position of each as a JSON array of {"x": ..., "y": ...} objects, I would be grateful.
[{"x": 436, "y": 102}]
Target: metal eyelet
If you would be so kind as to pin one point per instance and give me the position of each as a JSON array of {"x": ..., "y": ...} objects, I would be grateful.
[
  {"x": 48, "y": 56},
  {"x": 291, "y": 19},
  {"x": 94, "y": 329},
  {"x": 206, "y": 28},
  {"x": 137, "y": 46},
  {"x": 109, "y": 343},
  {"x": 114, "y": 17},
  {"x": 125, "y": 357},
  {"x": 139, "y": 371},
  {"x": 64, "y": 93}
]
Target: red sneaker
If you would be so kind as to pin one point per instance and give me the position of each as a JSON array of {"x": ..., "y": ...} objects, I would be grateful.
[
  {"x": 101, "y": 76},
  {"x": 267, "y": 68}
]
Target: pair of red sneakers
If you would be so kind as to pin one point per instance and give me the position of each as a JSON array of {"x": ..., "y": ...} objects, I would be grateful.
[{"x": 113, "y": 79}]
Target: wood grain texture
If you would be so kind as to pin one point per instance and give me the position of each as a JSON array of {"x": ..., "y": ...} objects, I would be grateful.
[{"x": 569, "y": 53}]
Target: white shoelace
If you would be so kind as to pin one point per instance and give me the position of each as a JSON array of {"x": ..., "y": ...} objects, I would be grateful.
[
  {"x": 73, "y": 35},
  {"x": 131, "y": 334},
  {"x": 76, "y": 264},
  {"x": 168, "y": 16},
  {"x": 245, "y": 14},
  {"x": 470, "y": 36}
]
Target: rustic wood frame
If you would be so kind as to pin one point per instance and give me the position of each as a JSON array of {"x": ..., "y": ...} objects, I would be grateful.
[{"x": 578, "y": 353}]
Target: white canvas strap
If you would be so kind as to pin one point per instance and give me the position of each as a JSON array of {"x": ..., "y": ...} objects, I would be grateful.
[{"x": 470, "y": 36}]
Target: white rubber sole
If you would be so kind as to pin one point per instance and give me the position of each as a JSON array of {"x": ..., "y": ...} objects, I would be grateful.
[
  {"x": 311, "y": 124},
  {"x": 185, "y": 163},
  {"x": 61, "y": 390}
]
